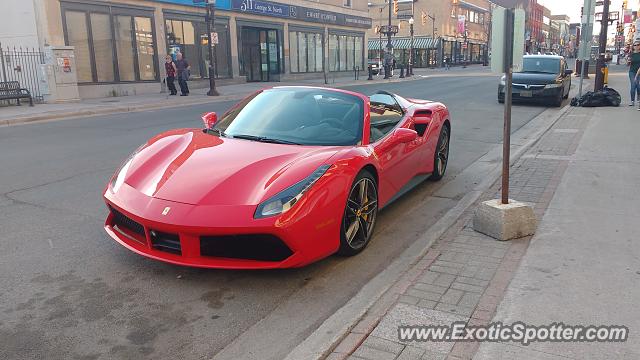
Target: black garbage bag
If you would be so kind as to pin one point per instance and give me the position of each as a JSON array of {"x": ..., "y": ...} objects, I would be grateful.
[{"x": 604, "y": 97}]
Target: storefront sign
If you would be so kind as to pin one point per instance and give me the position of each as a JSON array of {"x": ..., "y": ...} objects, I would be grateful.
[
  {"x": 260, "y": 7},
  {"x": 273, "y": 9}
]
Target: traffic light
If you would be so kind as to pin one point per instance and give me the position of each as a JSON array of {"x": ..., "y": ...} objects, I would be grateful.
[
  {"x": 395, "y": 7},
  {"x": 424, "y": 18}
]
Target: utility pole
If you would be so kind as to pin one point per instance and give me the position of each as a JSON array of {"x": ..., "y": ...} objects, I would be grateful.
[
  {"x": 604, "y": 28},
  {"x": 211, "y": 8}
]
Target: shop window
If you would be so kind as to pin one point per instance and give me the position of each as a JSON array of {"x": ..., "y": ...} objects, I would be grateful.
[
  {"x": 305, "y": 51},
  {"x": 145, "y": 49},
  {"x": 131, "y": 38},
  {"x": 102, "y": 47},
  {"x": 124, "y": 47},
  {"x": 293, "y": 51},
  {"x": 333, "y": 53},
  {"x": 302, "y": 52},
  {"x": 345, "y": 52},
  {"x": 78, "y": 36}
]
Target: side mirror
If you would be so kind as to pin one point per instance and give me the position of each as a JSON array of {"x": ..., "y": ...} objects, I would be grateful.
[
  {"x": 568, "y": 72},
  {"x": 209, "y": 119},
  {"x": 404, "y": 135}
]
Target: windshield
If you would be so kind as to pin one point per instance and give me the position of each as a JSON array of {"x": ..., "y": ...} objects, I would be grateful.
[
  {"x": 541, "y": 65},
  {"x": 296, "y": 116}
]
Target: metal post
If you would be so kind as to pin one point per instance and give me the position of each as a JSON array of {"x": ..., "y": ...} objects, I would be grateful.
[
  {"x": 212, "y": 74},
  {"x": 506, "y": 143},
  {"x": 585, "y": 43},
  {"x": 411, "y": 56},
  {"x": 4, "y": 70},
  {"x": 604, "y": 28}
]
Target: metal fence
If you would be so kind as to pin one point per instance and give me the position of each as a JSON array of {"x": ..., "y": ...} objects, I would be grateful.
[{"x": 22, "y": 65}]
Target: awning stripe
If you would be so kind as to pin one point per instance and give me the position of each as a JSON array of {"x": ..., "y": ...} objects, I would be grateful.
[{"x": 405, "y": 43}]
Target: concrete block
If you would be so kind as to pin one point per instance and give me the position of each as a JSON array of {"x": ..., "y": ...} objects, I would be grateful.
[{"x": 505, "y": 221}]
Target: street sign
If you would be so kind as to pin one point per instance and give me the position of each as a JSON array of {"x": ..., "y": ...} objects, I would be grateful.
[
  {"x": 587, "y": 29},
  {"x": 385, "y": 29},
  {"x": 613, "y": 16},
  {"x": 498, "y": 39}
]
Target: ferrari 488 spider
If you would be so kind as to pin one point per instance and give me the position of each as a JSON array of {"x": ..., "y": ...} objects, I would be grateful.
[{"x": 286, "y": 177}]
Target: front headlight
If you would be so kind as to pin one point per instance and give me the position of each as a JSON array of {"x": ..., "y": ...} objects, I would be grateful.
[
  {"x": 118, "y": 179},
  {"x": 503, "y": 81},
  {"x": 287, "y": 198},
  {"x": 553, "y": 86}
]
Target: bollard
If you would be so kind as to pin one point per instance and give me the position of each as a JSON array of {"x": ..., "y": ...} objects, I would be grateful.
[
  {"x": 370, "y": 72},
  {"x": 401, "y": 71}
]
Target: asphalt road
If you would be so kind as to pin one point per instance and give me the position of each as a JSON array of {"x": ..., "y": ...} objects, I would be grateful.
[{"x": 69, "y": 291}]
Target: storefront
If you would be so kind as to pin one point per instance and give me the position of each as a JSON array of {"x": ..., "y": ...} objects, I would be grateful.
[
  {"x": 187, "y": 34},
  {"x": 426, "y": 50},
  {"x": 458, "y": 54},
  {"x": 112, "y": 43},
  {"x": 120, "y": 44}
]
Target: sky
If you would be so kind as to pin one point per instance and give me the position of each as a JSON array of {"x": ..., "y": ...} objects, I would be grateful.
[{"x": 572, "y": 7}]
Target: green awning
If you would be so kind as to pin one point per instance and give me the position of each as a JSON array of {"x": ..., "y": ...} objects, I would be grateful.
[{"x": 419, "y": 42}]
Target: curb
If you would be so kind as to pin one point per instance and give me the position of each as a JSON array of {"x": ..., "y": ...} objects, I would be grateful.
[
  {"x": 101, "y": 110},
  {"x": 329, "y": 334}
]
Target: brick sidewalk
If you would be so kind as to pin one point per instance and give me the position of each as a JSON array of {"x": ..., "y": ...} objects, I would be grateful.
[{"x": 463, "y": 277}]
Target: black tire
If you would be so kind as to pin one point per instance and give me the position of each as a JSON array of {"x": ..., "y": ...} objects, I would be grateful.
[
  {"x": 558, "y": 102},
  {"x": 441, "y": 154},
  {"x": 359, "y": 213},
  {"x": 501, "y": 101}
]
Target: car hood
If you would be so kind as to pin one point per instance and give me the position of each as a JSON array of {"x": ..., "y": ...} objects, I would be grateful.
[
  {"x": 534, "y": 78},
  {"x": 192, "y": 167}
]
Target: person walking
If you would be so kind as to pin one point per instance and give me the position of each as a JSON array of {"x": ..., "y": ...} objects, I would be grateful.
[
  {"x": 183, "y": 67},
  {"x": 170, "y": 70},
  {"x": 633, "y": 61}
]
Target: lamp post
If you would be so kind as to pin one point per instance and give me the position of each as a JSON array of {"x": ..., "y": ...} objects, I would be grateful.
[
  {"x": 389, "y": 49},
  {"x": 410, "y": 72},
  {"x": 210, "y": 18},
  {"x": 465, "y": 49}
]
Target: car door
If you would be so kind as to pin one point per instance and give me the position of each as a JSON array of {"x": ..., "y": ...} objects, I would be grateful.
[{"x": 394, "y": 157}]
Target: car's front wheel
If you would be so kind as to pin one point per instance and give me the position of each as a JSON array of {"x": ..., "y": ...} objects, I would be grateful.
[{"x": 360, "y": 214}]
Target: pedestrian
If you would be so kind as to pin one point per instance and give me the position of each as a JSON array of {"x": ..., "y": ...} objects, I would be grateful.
[
  {"x": 183, "y": 67},
  {"x": 446, "y": 62},
  {"x": 170, "y": 70},
  {"x": 633, "y": 61}
]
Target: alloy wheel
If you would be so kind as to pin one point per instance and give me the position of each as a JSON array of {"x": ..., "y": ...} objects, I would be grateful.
[{"x": 361, "y": 212}]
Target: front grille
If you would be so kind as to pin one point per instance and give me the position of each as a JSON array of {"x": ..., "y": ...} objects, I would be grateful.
[
  {"x": 249, "y": 247},
  {"x": 165, "y": 242},
  {"x": 124, "y": 221},
  {"x": 531, "y": 87}
]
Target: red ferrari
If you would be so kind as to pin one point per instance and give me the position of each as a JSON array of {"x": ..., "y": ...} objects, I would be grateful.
[{"x": 286, "y": 177}]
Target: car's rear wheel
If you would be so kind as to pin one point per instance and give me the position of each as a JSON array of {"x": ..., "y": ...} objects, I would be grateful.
[
  {"x": 360, "y": 215},
  {"x": 441, "y": 156}
]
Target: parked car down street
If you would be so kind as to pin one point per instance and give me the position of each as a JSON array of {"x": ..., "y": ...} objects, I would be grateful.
[{"x": 543, "y": 79}]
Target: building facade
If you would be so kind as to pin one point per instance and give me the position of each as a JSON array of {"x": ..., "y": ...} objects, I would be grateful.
[
  {"x": 120, "y": 44},
  {"x": 456, "y": 30}
]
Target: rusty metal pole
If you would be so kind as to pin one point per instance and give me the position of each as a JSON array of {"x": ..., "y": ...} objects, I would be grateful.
[{"x": 508, "y": 69}]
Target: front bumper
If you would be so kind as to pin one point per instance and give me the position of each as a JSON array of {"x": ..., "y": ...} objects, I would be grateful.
[
  {"x": 532, "y": 95},
  {"x": 225, "y": 237}
]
